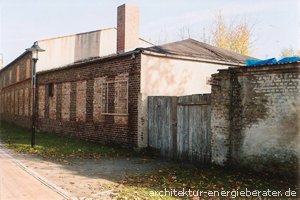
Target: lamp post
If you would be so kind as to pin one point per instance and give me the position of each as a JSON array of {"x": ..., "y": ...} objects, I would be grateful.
[{"x": 34, "y": 50}]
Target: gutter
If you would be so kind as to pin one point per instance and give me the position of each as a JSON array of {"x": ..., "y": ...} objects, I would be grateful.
[
  {"x": 89, "y": 61},
  {"x": 151, "y": 53}
]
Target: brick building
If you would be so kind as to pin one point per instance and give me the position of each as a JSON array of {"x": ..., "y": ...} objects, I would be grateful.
[
  {"x": 15, "y": 91},
  {"x": 98, "y": 92}
]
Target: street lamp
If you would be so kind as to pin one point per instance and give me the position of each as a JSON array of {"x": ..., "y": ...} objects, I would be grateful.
[{"x": 35, "y": 49}]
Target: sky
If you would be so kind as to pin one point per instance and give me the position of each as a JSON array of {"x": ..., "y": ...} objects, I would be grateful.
[{"x": 276, "y": 22}]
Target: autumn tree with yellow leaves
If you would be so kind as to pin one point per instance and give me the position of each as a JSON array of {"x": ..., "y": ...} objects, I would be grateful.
[{"x": 234, "y": 36}]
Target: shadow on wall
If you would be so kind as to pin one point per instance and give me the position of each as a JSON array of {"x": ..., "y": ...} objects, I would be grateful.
[
  {"x": 86, "y": 46},
  {"x": 162, "y": 79}
]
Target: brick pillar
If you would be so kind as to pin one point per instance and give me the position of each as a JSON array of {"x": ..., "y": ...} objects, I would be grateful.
[{"x": 220, "y": 118}]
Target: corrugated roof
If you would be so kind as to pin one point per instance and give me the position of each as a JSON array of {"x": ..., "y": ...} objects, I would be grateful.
[
  {"x": 194, "y": 48},
  {"x": 270, "y": 64}
]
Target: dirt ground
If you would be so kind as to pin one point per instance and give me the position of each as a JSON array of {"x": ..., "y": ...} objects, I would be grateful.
[{"x": 83, "y": 178}]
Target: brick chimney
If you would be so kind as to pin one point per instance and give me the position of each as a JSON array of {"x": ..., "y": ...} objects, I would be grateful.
[{"x": 128, "y": 28}]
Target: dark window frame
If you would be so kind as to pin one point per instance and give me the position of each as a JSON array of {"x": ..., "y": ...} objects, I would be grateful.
[
  {"x": 50, "y": 89},
  {"x": 105, "y": 97}
]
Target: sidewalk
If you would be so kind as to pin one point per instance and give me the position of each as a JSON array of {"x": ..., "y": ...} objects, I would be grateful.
[
  {"x": 86, "y": 179},
  {"x": 17, "y": 184}
]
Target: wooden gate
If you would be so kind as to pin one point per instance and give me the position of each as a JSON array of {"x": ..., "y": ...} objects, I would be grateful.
[
  {"x": 179, "y": 127},
  {"x": 160, "y": 118}
]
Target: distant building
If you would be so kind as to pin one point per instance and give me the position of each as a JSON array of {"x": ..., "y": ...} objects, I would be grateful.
[{"x": 65, "y": 50}]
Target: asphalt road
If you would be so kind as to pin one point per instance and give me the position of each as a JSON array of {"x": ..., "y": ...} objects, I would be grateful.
[{"x": 17, "y": 184}]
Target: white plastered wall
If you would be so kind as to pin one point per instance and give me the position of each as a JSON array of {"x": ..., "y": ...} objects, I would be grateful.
[
  {"x": 66, "y": 50},
  {"x": 59, "y": 52},
  {"x": 161, "y": 76},
  {"x": 108, "y": 42}
]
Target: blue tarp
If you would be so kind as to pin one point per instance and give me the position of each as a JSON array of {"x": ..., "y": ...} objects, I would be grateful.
[
  {"x": 271, "y": 61},
  {"x": 260, "y": 62},
  {"x": 289, "y": 59}
]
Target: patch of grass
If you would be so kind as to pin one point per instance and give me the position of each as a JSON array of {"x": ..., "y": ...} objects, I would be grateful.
[
  {"x": 54, "y": 145},
  {"x": 201, "y": 179}
]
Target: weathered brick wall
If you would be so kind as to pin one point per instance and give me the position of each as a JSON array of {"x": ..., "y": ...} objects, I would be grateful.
[
  {"x": 41, "y": 101},
  {"x": 11, "y": 108},
  {"x": 254, "y": 117},
  {"x": 15, "y": 91},
  {"x": 52, "y": 104},
  {"x": 98, "y": 100},
  {"x": 17, "y": 71},
  {"x": 26, "y": 102},
  {"x": 65, "y": 101},
  {"x": 81, "y": 100},
  {"x": 220, "y": 122},
  {"x": 120, "y": 105}
]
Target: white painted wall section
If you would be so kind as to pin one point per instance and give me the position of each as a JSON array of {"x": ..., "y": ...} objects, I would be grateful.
[{"x": 161, "y": 76}]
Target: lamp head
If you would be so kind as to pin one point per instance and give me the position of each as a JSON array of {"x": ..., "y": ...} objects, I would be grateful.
[{"x": 35, "y": 49}]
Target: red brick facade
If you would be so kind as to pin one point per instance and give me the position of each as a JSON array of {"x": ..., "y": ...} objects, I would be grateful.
[
  {"x": 95, "y": 100},
  {"x": 15, "y": 91}
]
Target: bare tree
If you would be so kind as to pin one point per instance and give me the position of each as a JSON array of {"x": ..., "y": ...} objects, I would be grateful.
[
  {"x": 161, "y": 38},
  {"x": 289, "y": 52},
  {"x": 205, "y": 38},
  {"x": 184, "y": 33}
]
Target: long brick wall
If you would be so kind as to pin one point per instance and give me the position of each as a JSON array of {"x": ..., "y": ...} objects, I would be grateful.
[
  {"x": 254, "y": 117},
  {"x": 95, "y": 100},
  {"x": 15, "y": 91}
]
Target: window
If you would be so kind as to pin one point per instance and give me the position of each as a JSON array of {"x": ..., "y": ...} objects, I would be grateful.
[
  {"x": 50, "y": 90},
  {"x": 115, "y": 98}
]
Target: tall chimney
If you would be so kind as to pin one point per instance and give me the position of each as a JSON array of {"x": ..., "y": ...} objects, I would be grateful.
[{"x": 128, "y": 28}]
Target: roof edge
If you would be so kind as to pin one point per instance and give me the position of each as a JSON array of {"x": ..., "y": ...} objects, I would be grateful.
[
  {"x": 91, "y": 60},
  {"x": 213, "y": 49},
  {"x": 15, "y": 60},
  {"x": 272, "y": 66},
  {"x": 146, "y": 41},
  {"x": 147, "y": 52}
]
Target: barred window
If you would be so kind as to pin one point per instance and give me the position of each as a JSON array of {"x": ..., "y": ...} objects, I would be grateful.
[{"x": 115, "y": 98}]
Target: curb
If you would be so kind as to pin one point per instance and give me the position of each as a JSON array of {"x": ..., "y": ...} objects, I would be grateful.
[{"x": 43, "y": 180}]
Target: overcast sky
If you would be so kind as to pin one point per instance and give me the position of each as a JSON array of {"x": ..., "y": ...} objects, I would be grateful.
[{"x": 276, "y": 22}]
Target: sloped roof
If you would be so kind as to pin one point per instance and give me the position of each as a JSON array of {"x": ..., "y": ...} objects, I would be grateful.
[{"x": 194, "y": 48}]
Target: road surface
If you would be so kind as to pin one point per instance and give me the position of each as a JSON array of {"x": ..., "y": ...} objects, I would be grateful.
[{"x": 17, "y": 184}]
